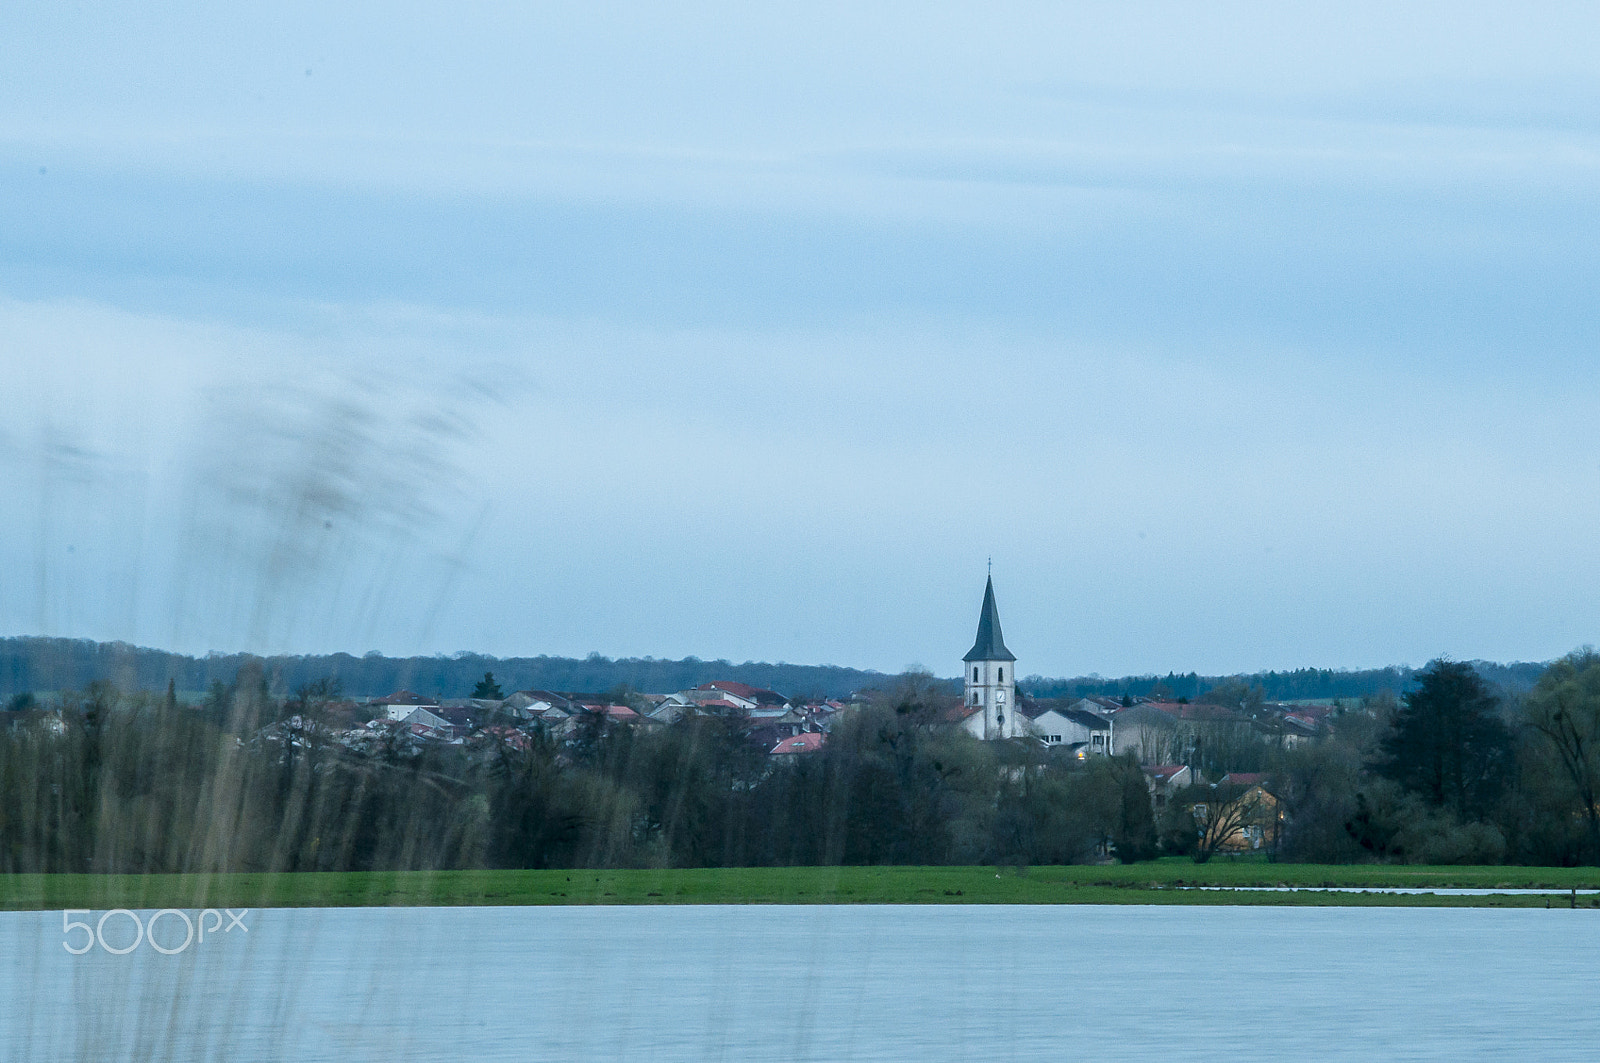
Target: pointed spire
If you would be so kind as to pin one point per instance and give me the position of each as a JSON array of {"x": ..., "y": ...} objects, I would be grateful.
[{"x": 990, "y": 645}]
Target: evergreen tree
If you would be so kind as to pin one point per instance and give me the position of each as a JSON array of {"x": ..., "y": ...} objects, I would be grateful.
[
  {"x": 1446, "y": 743},
  {"x": 487, "y": 689}
]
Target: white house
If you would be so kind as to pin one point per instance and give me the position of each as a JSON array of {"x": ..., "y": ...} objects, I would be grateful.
[
  {"x": 1075, "y": 728},
  {"x": 402, "y": 703}
]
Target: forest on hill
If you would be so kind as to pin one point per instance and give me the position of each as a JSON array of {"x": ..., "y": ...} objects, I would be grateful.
[{"x": 33, "y": 664}]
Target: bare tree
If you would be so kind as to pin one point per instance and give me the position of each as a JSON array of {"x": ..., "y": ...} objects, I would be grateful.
[
  {"x": 1565, "y": 708},
  {"x": 1222, "y": 814}
]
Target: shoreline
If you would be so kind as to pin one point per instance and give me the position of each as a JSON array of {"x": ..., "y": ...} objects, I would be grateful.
[{"x": 1177, "y": 882}]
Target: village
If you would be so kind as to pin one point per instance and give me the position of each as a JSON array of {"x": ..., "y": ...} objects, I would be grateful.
[{"x": 1161, "y": 736}]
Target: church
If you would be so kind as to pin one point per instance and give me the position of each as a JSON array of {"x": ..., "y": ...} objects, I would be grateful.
[{"x": 989, "y": 701}]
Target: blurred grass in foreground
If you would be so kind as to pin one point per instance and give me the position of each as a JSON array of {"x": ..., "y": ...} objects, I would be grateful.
[{"x": 1147, "y": 883}]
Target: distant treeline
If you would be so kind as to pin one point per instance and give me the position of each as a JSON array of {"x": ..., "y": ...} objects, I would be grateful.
[
  {"x": 39, "y": 664},
  {"x": 1301, "y": 684},
  {"x": 29, "y": 664}
]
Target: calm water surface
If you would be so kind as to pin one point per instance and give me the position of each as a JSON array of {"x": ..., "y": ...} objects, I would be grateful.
[{"x": 916, "y": 983}]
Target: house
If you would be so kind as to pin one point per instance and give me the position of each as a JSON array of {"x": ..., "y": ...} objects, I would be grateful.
[
  {"x": 381, "y": 733},
  {"x": 819, "y": 716},
  {"x": 612, "y": 713},
  {"x": 1245, "y": 812},
  {"x": 721, "y": 697},
  {"x": 526, "y": 705},
  {"x": 550, "y": 716},
  {"x": 793, "y": 721},
  {"x": 670, "y": 710},
  {"x": 720, "y": 707},
  {"x": 1148, "y": 733},
  {"x": 765, "y": 726},
  {"x": 440, "y": 723},
  {"x": 744, "y": 694},
  {"x": 1073, "y": 728},
  {"x": 398, "y": 706},
  {"x": 1163, "y": 732},
  {"x": 1164, "y": 780},
  {"x": 795, "y": 745},
  {"x": 506, "y": 736},
  {"x": 968, "y": 717}
]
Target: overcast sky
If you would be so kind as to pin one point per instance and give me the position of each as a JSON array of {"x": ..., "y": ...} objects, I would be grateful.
[{"x": 1239, "y": 336}]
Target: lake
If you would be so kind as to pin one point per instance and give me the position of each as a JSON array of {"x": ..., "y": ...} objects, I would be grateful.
[{"x": 917, "y": 983}]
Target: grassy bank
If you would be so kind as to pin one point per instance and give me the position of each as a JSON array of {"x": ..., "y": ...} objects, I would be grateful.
[{"x": 1158, "y": 882}]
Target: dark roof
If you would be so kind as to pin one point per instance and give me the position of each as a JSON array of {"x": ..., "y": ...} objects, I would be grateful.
[
  {"x": 1197, "y": 711},
  {"x": 990, "y": 645},
  {"x": 1082, "y": 717},
  {"x": 758, "y": 695},
  {"x": 407, "y": 697},
  {"x": 550, "y": 697}
]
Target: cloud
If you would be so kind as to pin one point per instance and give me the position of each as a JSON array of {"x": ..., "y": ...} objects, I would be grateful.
[{"x": 1237, "y": 338}]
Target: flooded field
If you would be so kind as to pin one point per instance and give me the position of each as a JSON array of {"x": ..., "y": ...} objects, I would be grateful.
[{"x": 800, "y": 983}]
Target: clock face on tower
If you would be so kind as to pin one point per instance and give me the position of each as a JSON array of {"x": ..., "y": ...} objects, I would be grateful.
[{"x": 1000, "y": 696}]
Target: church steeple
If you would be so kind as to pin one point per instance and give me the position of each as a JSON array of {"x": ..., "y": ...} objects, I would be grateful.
[
  {"x": 990, "y": 645},
  {"x": 990, "y": 679}
]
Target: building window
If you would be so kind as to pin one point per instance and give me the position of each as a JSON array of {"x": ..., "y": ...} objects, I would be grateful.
[
  {"x": 1002, "y": 673},
  {"x": 974, "y": 675}
]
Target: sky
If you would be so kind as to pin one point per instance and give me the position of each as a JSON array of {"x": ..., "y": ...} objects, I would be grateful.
[{"x": 1239, "y": 336}]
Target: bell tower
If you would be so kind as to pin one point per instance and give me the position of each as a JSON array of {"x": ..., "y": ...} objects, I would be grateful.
[{"x": 990, "y": 677}]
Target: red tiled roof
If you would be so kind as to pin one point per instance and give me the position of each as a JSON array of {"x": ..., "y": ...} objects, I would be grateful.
[
  {"x": 509, "y": 735},
  {"x": 1245, "y": 778},
  {"x": 804, "y": 743},
  {"x": 1315, "y": 712},
  {"x": 1195, "y": 710}
]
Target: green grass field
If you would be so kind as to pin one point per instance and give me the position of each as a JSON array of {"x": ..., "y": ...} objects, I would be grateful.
[{"x": 1156, "y": 882}]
